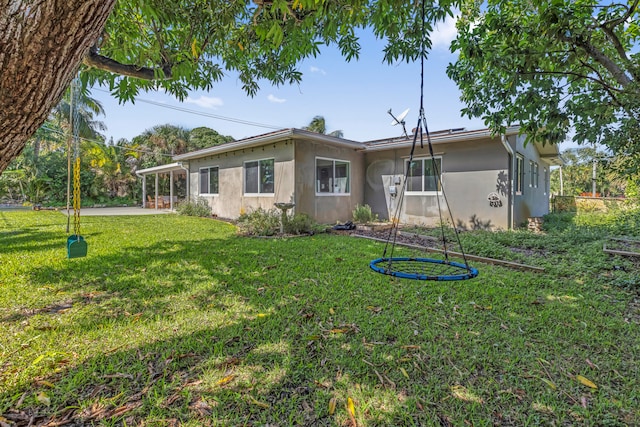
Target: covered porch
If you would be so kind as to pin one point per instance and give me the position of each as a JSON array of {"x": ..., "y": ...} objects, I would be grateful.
[{"x": 170, "y": 185}]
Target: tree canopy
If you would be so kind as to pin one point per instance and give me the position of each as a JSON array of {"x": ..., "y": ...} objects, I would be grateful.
[
  {"x": 186, "y": 44},
  {"x": 132, "y": 45},
  {"x": 559, "y": 68}
]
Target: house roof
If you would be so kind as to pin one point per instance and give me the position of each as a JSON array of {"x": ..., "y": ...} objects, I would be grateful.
[
  {"x": 438, "y": 137},
  {"x": 160, "y": 169},
  {"x": 269, "y": 138},
  {"x": 549, "y": 152}
]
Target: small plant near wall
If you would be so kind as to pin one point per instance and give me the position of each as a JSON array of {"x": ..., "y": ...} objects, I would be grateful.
[
  {"x": 197, "y": 207},
  {"x": 259, "y": 222},
  {"x": 362, "y": 214},
  {"x": 262, "y": 222}
]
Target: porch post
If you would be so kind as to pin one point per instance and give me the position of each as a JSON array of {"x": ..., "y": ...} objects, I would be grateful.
[
  {"x": 171, "y": 190},
  {"x": 156, "y": 190},
  {"x": 144, "y": 191}
]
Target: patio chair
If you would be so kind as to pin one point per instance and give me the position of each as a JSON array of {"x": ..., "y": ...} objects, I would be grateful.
[{"x": 151, "y": 204}]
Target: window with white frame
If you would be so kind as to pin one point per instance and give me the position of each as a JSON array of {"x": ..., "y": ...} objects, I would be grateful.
[
  {"x": 259, "y": 177},
  {"x": 424, "y": 175},
  {"x": 209, "y": 180},
  {"x": 332, "y": 176},
  {"x": 533, "y": 174},
  {"x": 519, "y": 174}
]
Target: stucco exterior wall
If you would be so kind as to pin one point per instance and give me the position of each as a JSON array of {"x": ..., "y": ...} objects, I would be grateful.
[
  {"x": 231, "y": 200},
  {"x": 326, "y": 207},
  {"x": 532, "y": 201},
  {"x": 471, "y": 171}
]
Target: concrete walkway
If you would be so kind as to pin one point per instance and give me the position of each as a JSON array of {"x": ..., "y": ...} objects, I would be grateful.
[{"x": 129, "y": 211}]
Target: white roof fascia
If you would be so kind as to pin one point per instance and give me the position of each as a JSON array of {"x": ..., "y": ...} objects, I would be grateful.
[
  {"x": 442, "y": 139},
  {"x": 268, "y": 138},
  {"x": 160, "y": 169}
]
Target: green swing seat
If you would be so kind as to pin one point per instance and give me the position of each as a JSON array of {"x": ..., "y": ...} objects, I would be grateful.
[{"x": 76, "y": 246}]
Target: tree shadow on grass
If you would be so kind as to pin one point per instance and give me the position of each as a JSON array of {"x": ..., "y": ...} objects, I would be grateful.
[{"x": 221, "y": 353}]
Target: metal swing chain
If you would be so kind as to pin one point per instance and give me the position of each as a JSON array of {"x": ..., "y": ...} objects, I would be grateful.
[
  {"x": 76, "y": 197},
  {"x": 75, "y": 126}
]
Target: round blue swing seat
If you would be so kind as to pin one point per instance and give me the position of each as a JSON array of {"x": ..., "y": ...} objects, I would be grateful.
[{"x": 423, "y": 269}]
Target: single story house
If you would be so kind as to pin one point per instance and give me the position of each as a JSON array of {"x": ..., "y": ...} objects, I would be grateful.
[{"x": 493, "y": 182}]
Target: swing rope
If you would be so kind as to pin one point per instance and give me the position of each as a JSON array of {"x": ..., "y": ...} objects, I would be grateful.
[
  {"x": 422, "y": 268},
  {"x": 76, "y": 245}
]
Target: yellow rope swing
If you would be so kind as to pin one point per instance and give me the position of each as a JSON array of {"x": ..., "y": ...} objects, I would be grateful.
[{"x": 76, "y": 245}]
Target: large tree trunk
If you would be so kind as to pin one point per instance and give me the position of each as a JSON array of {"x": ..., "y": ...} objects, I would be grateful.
[{"x": 42, "y": 43}]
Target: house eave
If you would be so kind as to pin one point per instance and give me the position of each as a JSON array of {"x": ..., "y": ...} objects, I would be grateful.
[
  {"x": 160, "y": 169},
  {"x": 269, "y": 138},
  {"x": 461, "y": 136}
]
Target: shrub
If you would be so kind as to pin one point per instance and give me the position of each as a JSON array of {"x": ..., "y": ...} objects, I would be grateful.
[
  {"x": 300, "y": 223},
  {"x": 362, "y": 214},
  {"x": 260, "y": 222},
  {"x": 198, "y": 207}
]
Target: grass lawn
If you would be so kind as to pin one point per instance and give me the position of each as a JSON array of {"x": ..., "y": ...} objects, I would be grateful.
[{"x": 175, "y": 320}]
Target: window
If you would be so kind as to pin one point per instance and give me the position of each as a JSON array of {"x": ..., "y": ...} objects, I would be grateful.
[
  {"x": 533, "y": 174},
  {"x": 519, "y": 174},
  {"x": 332, "y": 176},
  {"x": 258, "y": 177},
  {"x": 209, "y": 180},
  {"x": 423, "y": 175}
]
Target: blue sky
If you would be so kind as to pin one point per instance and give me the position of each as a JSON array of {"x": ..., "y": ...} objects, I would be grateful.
[{"x": 352, "y": 96}]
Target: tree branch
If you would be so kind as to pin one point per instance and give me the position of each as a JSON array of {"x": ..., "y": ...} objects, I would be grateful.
[
  {"x": 607, "y": 28},
  {"x": 616, "y": 72},
  {"x": 95, "y": 60}
]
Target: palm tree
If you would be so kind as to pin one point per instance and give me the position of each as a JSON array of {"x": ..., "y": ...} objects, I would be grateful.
[
  {"x": 87, "y": 109},
  {"x": 319, "y": 125}
]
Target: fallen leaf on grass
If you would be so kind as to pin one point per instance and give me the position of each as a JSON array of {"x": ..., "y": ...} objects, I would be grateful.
[
  {"x": 591, "y": 364},
  {"x": 258, "y": 403},
  {"x": 226, "y": 380},
  {"x": 45, "y": 383},
  {"x": 374, "y": 309},
  {"x": 549, "y": 383},
  {"x": 461, "y": 392},
  {"x": 351, "y": 410},
  {"x": 43, "y": 398},
  {"x": 404, "y": 372},
  {"x": 586, "y": 382},
  {"x": 332, "y": 405}
]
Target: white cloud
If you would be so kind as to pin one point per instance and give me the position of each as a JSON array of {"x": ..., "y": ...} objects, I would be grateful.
[
  {"x": 273, "y": 98},
  {"x": 444, "y": 33},
  {"x": 315, "y": 69},
  {"x": 205, "y": 101}
]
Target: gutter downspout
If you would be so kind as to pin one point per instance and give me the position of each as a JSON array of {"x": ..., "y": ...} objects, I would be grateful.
[{"x": 505, "y": 143}]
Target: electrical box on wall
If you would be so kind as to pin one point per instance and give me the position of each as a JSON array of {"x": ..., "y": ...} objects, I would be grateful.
[
  {"x": 397, "y": 180},
  {"x": 392, "y": 190}
]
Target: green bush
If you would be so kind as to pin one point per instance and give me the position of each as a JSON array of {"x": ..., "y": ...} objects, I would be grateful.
[
  {"x": 300, "y": 223},
  {"x": 198, "y": 207},
  {"x": 260, "y": 222},
  {"x": 362, "y": 214}
]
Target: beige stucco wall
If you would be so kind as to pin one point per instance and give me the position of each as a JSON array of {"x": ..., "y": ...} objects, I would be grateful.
[
  {"x": 533, "y": 201},
  {"x": 231, "y": 200},
  {"x": 470, "y": 172},
  {"x": 326, "y": 208}
]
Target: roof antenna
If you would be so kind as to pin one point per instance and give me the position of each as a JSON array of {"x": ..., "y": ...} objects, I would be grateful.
[{"x": 400, "y": 120}]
